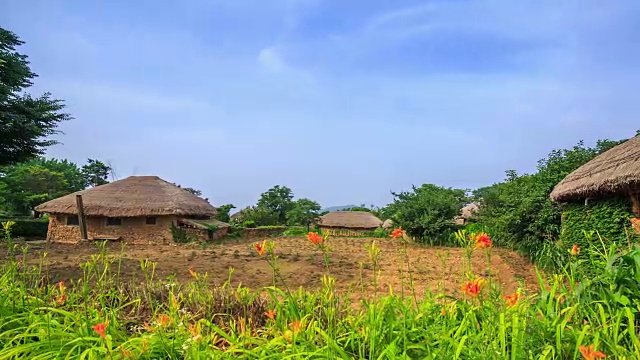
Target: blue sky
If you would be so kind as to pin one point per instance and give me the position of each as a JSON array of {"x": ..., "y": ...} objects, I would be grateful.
[{"x": 342, "y": 101}]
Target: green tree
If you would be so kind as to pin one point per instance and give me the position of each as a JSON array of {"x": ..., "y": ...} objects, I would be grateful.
[
  {"x": 95, "y": 172},
  {"x": 278, "y": 201},
  {"x": 28, "y": 184},
  {"x": 26, "y": 122},
  {"x": 427, "y": 212},
  {"x": 223, "y": 212},
  {"x": 303, "y": 212},
  {"x": 362, "y": 207},
  {"x": 258, "y": 216}
]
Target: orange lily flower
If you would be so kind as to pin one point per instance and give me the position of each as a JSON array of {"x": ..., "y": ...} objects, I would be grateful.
[
  {"x": 100, "y": 328},
  {"x": 163, "y": 320},
  {"x": 575, "y": 250},
  {"x": 271, "y": 314},
  {"x": 512, "y": 299},
  {"x": 443, "y": 311},
  {"x": 194, "y": 329},
  {"x": 125, "y": 353},
  {"x": 61, "y": 286},
  {"x": 483, "y": 241},
  {"x": 590, "y": 353},
  {"x": 314, "y": 238},
  {"x": 295, "y": 326},
  {"x": 261, "y": 248},
  {"x": 472, "y": 288},
  {"x": 61, "y": 299},
  {"x": 193, "y": 273},
  {"x": 396, "y": 233}
]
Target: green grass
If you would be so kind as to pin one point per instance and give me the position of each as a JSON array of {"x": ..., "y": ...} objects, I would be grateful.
[{"x": 163, "y": 319}]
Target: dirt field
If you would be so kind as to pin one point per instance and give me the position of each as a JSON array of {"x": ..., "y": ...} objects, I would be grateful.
[{"x": 300, "y": 263}]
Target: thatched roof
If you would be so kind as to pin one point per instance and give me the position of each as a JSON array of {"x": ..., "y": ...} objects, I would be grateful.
[
  {"x": 468, "y": 210},
  {"x": 238, "y": 214},
  {"x": 350, "y": 219},
  {"x": 615, "y": 170},
  {"x": 133, "y": 196},
  {"x": 387, "y": 224},
  {"x": 203, "y": 224}
]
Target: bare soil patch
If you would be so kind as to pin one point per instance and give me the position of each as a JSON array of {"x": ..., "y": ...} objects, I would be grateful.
[{"x": 432, "y": 268}]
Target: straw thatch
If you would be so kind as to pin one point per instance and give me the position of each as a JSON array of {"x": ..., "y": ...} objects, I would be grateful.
[
  {"x": 468, "y": 211},
  {"x": 350, "y": 220},
  {"x": 387, "y": 224},
  {"x": 466, "y": 214},
  {"x": 614, "y": 171},
  {"x": 203, "y": 224},
  {"x": 238, "y": 214},
  {"x": 133, "y": 196}
]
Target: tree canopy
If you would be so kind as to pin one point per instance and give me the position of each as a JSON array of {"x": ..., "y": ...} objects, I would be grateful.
[
  {"x": 95, "y": 172},
  {"x": 27, "y": 184},
  {"x": 223, "y": 211},
  {"x": 26, "y": 122},
  {"x": 303, "y": 212},
  {"x": 278, "y": 201},
  {"x": 427, "y": 212}
]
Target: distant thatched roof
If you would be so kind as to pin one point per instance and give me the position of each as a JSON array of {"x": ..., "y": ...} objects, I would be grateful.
[
  {"x": 350, "y": 219},
  {"x": 387, "y": 224},
  {"x": 133, "y": 196},
  {"x": 204, "y": 224},
  {"x": 612, "y": 171},
  {"x": 238, "y": 214},
  {"x": 468, "y": 210}
]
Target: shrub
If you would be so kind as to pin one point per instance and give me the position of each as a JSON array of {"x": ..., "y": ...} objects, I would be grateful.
[
  {"x": 180, "y": 236},
  {"x": 295, "y": 231},
  {"x": 427, "y": 212},
  {"x": 29, "y": 228},
  {"x": 381, "y": 233},
  {"x": 249, "y": 224},
  {"x": 606, "y": 218}
]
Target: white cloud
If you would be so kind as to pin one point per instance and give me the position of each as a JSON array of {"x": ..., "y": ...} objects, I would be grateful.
[{"x": 270, "y": 59}]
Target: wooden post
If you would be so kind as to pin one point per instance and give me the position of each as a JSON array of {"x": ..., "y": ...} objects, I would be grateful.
[{"x": 83, "y": 225}]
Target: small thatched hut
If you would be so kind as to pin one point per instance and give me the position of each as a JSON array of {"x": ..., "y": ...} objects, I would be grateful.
[
  {"x": 138, "y": 209},
  {"x": 238, "y": 214},
  {"x": 466, "y": 214},
  {"x": 349, "y": 223},
  {"x": 615, "y": 172},
  {"x": 387, "y": 224},
  {"x": 204, "y": 230}
]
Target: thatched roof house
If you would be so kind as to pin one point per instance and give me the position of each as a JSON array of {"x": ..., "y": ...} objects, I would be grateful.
[
  {"x": 349, "y": 223},
  {"x": 238, "y": 214},
  {"x": 204, "y": 230},
  {"x": 466, "y": 213},
  {"x": 387, "y": 224},
  {"x": 135, "y": 209},
  {"x": 614, "y": 171}
]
